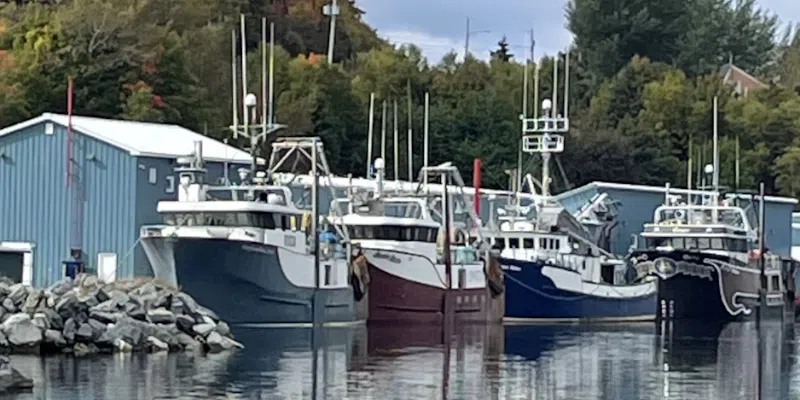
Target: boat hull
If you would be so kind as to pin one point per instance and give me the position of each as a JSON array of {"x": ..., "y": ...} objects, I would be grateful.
[
  {"x": 401, "y": 290},
  {"x": 532, "y": 294},
  {"x": 244, "y": 283},
  {"x": 698, "y": 286}
]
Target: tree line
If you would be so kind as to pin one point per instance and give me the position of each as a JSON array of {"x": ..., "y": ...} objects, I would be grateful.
[{"x": 643, "y": 76}]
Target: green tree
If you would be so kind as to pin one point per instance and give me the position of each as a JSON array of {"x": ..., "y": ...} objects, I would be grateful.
[{"x": 502, "y": 53}]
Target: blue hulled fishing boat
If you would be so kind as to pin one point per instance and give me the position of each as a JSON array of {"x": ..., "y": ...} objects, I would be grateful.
[{"x": 554, "y": 268}]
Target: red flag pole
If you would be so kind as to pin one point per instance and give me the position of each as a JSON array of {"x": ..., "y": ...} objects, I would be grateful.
[{"x": 70, "y": 89}]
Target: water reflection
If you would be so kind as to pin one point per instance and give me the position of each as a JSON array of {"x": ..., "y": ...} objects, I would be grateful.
[{"x": 407, "y": 362}]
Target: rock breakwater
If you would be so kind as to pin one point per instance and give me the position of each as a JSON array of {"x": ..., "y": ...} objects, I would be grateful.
[{"x": 86, "y": 316}]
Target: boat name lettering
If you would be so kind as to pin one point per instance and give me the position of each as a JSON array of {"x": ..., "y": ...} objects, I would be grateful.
[
  {"x": 388, "y": 257},
  {"x": 666, "y": 268}
]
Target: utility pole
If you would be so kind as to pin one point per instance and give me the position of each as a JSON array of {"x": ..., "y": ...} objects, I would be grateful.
[
  {"x": 466, "y": 41},
  {"x": 331, "y": 10}
]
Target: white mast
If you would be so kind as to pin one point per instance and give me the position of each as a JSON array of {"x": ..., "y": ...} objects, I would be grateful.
[
  {"x": 543, "y": 133},
  {"x": 370, "y": 134},
  {"x": 425, "y": 138}
]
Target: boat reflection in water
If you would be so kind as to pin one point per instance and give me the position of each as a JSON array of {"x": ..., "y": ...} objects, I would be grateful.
[
  {"x": 726, "y": 360},
  {"x": 487, "y": 362}
]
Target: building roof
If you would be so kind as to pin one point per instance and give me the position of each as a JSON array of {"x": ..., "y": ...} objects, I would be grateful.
[
  {"x": 599, "y": 186},
  {"x": 731, "y": 71},
  {"x": 142, "y": 138}
]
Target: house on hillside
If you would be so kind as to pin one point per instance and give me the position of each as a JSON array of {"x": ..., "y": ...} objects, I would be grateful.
[{"x": 739, "y": 79}]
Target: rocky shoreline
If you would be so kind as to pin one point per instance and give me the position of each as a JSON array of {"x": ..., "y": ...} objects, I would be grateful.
[{"x": 85, "y": 316}]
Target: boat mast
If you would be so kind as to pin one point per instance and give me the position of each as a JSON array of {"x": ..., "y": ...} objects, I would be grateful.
[
  {"x": 255, "y": 132},
  {"x": 543, "y": 133}
]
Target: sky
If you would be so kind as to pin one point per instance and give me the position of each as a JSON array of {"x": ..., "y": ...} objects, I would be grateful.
[{"x": 439, "y": 26}]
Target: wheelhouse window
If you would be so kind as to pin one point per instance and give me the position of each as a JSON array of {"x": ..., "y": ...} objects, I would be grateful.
[
  {"x": 394, "y": 233},
  {"x": 528, "y": 243},
  {"x": 261, "y": 220},
  {"x": 513, "y": 243},
  {"x": 695, "y": 243}
]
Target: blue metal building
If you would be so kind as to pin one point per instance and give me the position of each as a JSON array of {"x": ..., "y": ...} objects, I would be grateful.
[
  {"x": 125, "y": 168},
  {"x": 638, "y": 203}
]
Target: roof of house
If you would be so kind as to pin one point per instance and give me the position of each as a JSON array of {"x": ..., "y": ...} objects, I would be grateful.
[
  {"x": 141, "y": 138},
  {"x": 599, "y": 186},
  {"x": 727, "y": 69}
]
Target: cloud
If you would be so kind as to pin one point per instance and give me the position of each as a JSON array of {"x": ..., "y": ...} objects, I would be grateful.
[
  {"x": 434, "y": 47},
  {"x": 440, "y": 25}
]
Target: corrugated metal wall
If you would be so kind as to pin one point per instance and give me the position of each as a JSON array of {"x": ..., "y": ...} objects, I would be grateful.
[
  {"x": 637, "y": 208},
  {"x": 161, "y": 187},
  {"x": 35, "y": 202}
]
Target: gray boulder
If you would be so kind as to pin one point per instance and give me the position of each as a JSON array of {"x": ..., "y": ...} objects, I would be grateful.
[
  {"x": 14, "y": 319},
  {"x": 106, "y": 317},
  {"x": 84, "y": 349},
  {"x": 189, "y": 305},
  {"x": 17, "y": 294},
  {"x": 84, "y": 334},
  {"x": 203, "y": 330},
  {"x": 3, "y": 340},
  {"x": 119, "y": 297},
  {"x": 217, "y": 343},
  {"x": 66, "y": 305},
  {"x": 41, "y": 320},
  {"x": 160, "y": 316},
  {"x": 135, "y": 311},
  {"x": 126, "y": 329},
  {"x": 70, "y": 329},
  {"x": 56, "y": 322},
  {"x": 32, "y": 301},
  {"x": 223, "y": 329},
  {"x": 54, "y": 338},
  {"x": 24, "y": 335},
  {"x": 88, "y": 300},
  {"x": 9, "y": 305},
  {"x": 106, "y": 306},
  {"x": 156, "y": 345},
  {"x": 185, "y": 323}
]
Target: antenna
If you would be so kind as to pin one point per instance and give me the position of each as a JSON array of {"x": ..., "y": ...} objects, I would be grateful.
[
  {"x": 369, "y": 136},
  {"x": 271, "y": 73},
  {"x": 396, "y": 150},
  {"x": 425, "y": 138},
  {"x": 383, "y": 132},
  {"x": 235, "y": 85},
  {"x": 715, "y": 177},
  {"x": 524, "y": 115},
  {"x": 244, "y": 70},
  {"x": 555, "y": 86},
  {"x": 410, "y": 135},
  {"x": 566, "y": 85},
  {"x": 264, "y": 73}
]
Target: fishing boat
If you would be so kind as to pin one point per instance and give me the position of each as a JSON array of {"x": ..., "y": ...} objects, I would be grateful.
[
  {"x": 244, "y": 251},
  {"x": 706, "y": 253},
  {"x": 248, "y": 251},
  {"x": 709, "y": 255},
  {"x": 404, "y": 239},
  {"x": 554, "y": 271}
]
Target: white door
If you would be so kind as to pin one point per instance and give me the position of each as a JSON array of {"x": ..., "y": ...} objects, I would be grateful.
[{"x": 107, "y": 267}]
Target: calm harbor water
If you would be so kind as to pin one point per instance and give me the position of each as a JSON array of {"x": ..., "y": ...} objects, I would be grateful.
[{"x": 639, "y": 361}]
